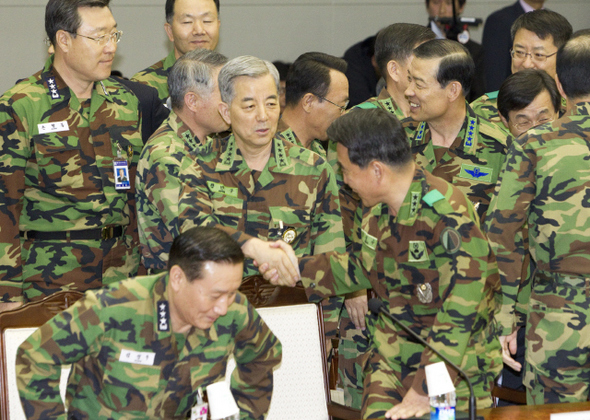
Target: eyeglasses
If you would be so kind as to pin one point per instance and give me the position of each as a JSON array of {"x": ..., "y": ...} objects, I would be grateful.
[
  {"x": 536, "y": 57},
  {"x": 104, "y": 39},
  {"x": 342, "y": 108},
  {"x": 527, "y": 125}
]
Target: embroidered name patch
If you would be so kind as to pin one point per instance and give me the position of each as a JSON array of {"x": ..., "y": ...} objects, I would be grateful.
[
  {"x": 137, "y": 357},
  {"x": 478, "y": 173},
  {"x": 54, "y": 127},
  {"x": 222, "y": 189}
]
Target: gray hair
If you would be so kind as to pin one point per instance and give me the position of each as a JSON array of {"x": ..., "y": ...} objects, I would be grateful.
[
  {"x": 193, "y": 72},
  {"x": 245, "y": 65}
]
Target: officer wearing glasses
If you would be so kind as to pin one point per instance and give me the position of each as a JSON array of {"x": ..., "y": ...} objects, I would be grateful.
[
  {"x": 65, "y": 132},
  {"x": 536, "y": 37}
]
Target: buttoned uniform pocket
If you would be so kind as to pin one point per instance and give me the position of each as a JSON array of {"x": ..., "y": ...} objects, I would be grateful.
[
  {"x": 59, "y": 161},
  {"x": 129, "y": 386}
]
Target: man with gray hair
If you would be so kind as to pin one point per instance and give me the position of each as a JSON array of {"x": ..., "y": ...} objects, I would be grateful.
[
  {"x": 255, "y": 185},
  {"x": 166, "y": 163}
]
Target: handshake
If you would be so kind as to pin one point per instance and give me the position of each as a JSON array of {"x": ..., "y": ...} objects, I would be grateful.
[{"x": 276, "y": 261}]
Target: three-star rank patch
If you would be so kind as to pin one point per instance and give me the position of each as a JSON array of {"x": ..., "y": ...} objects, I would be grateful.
[{"x": 417, "y": 252}]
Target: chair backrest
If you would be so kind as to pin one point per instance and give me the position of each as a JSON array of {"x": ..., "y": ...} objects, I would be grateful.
[
  {"x": 301, "y": 380},
  {"x": 15, "y": 327}
]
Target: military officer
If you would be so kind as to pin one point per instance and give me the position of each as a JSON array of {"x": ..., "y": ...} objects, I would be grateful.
[
  {"x": 447, "y": 138},
  {"x": 316, "y": 94},
  {"x": 536, "y": 37},
  {"x": 64, "y": 133},
  {"x": 145, "y": 347},
  {"x": 418, "y": 245},
  {"x": 190, "y": 24},
  {"x": 545, "y": 184}
]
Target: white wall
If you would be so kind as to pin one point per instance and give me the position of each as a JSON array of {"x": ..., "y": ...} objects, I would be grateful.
[{"x": 270, "y": 29}]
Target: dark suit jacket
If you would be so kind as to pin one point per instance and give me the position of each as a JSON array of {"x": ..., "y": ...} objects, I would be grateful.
[
  {"x": 153, "y": 111},
  {"x": 496, "y": 44}
]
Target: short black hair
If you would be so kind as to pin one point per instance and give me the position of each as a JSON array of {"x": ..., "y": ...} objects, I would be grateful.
[
  {"x": 542, "y": 23},
  {"x": 456, "y": 63},
  {"x": 371, "y": 134},
  {"x": 63, "y": 15},
  {"x": 521, "y": 88},
  {"x": 310, "y": 73},
  {"x": 573, "y": 67},
  {"x": 283, "y": 69},
  {"x": 397, "y": 41},
  {"x": 198, "y": 245},
  {"x": 169, "y": 8}
]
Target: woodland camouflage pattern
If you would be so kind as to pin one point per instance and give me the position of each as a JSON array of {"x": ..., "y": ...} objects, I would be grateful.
[
  {"x": 354, "y": 344},
  {"x": 166, "y": 170},
  {"x": 156, "y": 75},
  {"x": 545, "y": 182},
  {"x": 486, "y": 106},
  {"x": 96, "y": 331},
  {"x": 64, "y": 181},
  {"x": 434, "y": 243},
  {"x": 473, "y": 161}
]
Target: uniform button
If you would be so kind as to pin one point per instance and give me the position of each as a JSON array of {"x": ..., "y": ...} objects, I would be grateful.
[{"x": 312, "y": 284}]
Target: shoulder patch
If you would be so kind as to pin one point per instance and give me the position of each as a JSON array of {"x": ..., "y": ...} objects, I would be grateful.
[
  {"x": 493, "y": 95},
  {"x": 432, "y": 197},
  {"x": 367, "y": 105},
  {"x": 450, "y": 240}
]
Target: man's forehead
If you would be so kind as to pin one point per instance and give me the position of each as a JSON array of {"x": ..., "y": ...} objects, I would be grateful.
[
  {"x": 524, "y": 35},
  {"x": 192, "y": 7},
  {"x": 424, "y": 67},
  {"x": 98, "y": 18}
]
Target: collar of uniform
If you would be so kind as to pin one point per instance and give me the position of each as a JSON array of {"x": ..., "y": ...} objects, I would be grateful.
[
  {"x": 183, "y": 131},
  {"x": 287, "y": 133},
  {"x": 231, "y": 160},
  {"x": 410, "y": 208},
  {"x": 169, "y": 61},
  {"x": 159, "y": 294},
  {"x": 384, "y": 94},
  {"x": 53, "y": 83}
]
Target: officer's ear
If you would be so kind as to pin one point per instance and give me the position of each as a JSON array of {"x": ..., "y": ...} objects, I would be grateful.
[
  {"x": 376, "y": 170},
  {"x": 176, "y": 277},
  {"x": 560, "y": 87},
  {"x": 454, "y": 91},
  {"x": 63, "y": 40},
  {"x": 191, "y": 100},
  {"x": 393, "y": 69},
  {"x": 505, "y": 121},
  {"x": 307, "y": 101},
  {"x": 224, "y": 112},
  {"x": 168, "y": 29}
]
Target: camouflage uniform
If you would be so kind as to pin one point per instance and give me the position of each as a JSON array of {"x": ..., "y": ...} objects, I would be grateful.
[
  {"x": 545, "y": 183},
  {"x": 156, "y": 75},
  {"x": 217, "y": 188},
  {"x": 352, "y": 351},
  {"x": 473, "y": 161},
  {"x": 486, "y": 106},
  {"x": 286, "y": 133},
  {"x": 433, "y": 268},
  {"x": 57, "y": 178},
  {"x": 128, "y": 364},
  {"x": 166, "y": 167}
]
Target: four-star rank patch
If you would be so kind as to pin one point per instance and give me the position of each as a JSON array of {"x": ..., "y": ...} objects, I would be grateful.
[
  {"x": 417, "y": 252},
  {"x": 450, "y": 240}
]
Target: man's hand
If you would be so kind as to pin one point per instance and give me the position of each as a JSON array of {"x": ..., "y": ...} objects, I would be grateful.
[
  {"x": 277, "y": 263},
  {"x": 357, "y": 308},
  {"x": 508, "y": 343},
  {"x": 8, "y": 306},
  {"x": 413, "y": 405}
]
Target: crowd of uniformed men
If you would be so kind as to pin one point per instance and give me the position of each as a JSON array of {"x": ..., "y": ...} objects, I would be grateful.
[{"x": 469, "y": 221}]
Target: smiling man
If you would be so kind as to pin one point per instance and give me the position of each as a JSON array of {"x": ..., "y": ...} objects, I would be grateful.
[
  {"x": 64, "y": 133},
  {"x": 190, "y": 24},
  {"x": 144, "y": 348},
  {"x": 446, "y": 136}
]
